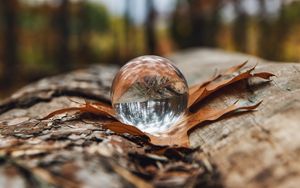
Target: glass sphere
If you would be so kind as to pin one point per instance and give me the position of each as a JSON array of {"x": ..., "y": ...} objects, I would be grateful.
[{"x": 149, "y": 92}]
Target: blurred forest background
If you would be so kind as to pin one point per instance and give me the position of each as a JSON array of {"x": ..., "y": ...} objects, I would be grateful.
[{"x": 45, "y": 37}]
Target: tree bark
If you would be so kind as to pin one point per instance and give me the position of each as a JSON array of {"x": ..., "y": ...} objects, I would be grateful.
[
  {"x": 150, "y": 27},
  {"x": 10, "y": 40},
  {"x": 254, "y": 149},
  {"x": 62, "y": 22},
  {"x": 240, "y": 31}
]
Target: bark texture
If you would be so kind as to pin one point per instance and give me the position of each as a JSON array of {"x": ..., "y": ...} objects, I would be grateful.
[{"x": 256, "y": 149}]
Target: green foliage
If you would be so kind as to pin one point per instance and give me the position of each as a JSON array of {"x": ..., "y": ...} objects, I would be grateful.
[
  {"x": 97, "y": 17},
  {"x": 292, "y": 12},
  {"x": 32, "y": 20}
]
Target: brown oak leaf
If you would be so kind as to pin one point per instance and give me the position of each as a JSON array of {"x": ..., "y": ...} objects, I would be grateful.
[{"x": 178, "y": 135}]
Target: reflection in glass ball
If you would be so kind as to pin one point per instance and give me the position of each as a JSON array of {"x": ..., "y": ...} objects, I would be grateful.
[{"x": 149, "y": 92}]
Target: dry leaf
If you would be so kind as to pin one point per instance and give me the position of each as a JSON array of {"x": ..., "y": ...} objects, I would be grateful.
[
  {"x": 200, "y": 91},
  {"x": 178, "y": 136},
  {"x": 121, "y": 128},
  {"x": 96, "y": 108}
]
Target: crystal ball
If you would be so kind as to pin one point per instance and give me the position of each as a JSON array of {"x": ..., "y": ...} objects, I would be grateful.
[{"x": 149, "y": 92}]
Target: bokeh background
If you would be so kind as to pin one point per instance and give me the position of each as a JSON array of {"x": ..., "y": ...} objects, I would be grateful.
[{"x": 39, "y": 38}]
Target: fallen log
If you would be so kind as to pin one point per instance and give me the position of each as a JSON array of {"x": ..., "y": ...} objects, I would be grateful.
[{"x": 256, "y": 149}]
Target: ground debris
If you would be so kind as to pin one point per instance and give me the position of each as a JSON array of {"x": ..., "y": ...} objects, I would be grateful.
[{"x": 77, "y": 152}]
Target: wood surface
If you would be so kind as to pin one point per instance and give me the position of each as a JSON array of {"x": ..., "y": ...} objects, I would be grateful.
[{"x": 253, "y": 149}]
